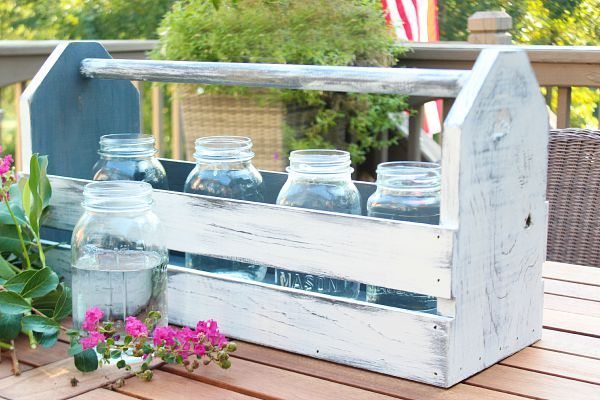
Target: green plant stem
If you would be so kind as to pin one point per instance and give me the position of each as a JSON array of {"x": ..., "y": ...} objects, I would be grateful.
[
  {"x": 18, "y": 227},
  {"x": 6, "y": 346},
  {"x": 32, "y": 342}
]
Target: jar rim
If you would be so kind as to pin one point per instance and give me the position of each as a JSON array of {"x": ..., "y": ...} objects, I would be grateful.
[
  {"x": 127, "y": 145},
  {"x": 408, "y": 176},
  {"x": 225, "y": 148},
  {"x": 117, "y": 196},
  {"x": 320, "y": 161},
  {"x": 404, "y": 167}
]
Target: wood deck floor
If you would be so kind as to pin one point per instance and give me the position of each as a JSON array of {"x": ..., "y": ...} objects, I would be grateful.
[{"x": 565, "y": 364}]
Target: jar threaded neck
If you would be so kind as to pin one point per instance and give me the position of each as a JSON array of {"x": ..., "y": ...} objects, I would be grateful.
[
  {"x": 320, "y": 161},
  {"x": 409, "y": 176},
  {"x": 126, "y": 145},
  {"x": 223, "y": 149},
  {"x": 117, "y": 196}
]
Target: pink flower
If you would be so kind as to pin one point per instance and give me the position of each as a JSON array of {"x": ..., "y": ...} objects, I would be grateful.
[
  {"x": 164, "y": 335},
  {"x": 92, "y": 317},
  {"x": 199, "y": 350},
  {"x": 6, "y": 164},
  {"x": 135, "y": 327},
  {"x": 91, "y": 340}
]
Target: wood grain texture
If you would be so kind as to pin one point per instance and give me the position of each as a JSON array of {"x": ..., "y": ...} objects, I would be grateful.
[
  {"x": 39, "y": 356},
  {"x": 557, "y": 364},
  {"x": 414, "y": 82},
  {"x": 165, "y": 385},
  {"x": 6, "y": 366},
  {"x": 64, "y": 115},
  {"x": 400, "y": 342},
  {"x": 572, "y": 305},
  {"x": 571, "y": 273},
  {"x": 102, "y": 394},
  {"x": 53, "y": 381},
  {"x": 569, "y": 343},
  {"x": 350, "y": 376},
  {"x": 493, "y": 189},
  {"x": 534, "y": 385},
  {"x": 574, "y": 323},
  {"x": 316, "y": 242},
  {"x": 569, "y": 289},
  {"x": 249, "y": 378}
]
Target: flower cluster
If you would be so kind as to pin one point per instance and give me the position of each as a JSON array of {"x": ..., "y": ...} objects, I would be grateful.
[
  {"x": 7, "y": 173},
  {"x": 189, "y": 347}
]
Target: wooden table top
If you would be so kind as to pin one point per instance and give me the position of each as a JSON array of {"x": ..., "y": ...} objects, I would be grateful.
[{"x": 565, "y": 364}]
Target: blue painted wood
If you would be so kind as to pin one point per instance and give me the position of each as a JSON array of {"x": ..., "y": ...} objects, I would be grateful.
[{"x": 68, "y": 113}]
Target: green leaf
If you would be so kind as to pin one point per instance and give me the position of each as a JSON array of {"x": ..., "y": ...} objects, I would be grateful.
[
  {"x": 75, "y": 348},
  {"x": 86, "y": 361},
  {"x": 114, "y": 354},
  {"x": 63, "y": 305},
  {"x": 17, "y": 283},
  {"x": 6, "y": 271},
  {"x": 127, "y": 340},
  {"x": 25, "y": 195},
  {"x": 45, "y": 190},
  {"x": 34, "y": 181},
  {"x": 15, "y": 205},
  {"x": 73, "y": 332},
  {"x": 12, "y": 303},
  {"x": 37, "y": 323},
  {"x": 121, "y": 364},
  {"x": 10, "y": 326},
  {"x": 43, "y": 282},
  {"x": 47, "y": 303},
  {"x": 46, "y": 340},
  {"x": 9, "y": 239},
  {"x": 101, "y": 347}
]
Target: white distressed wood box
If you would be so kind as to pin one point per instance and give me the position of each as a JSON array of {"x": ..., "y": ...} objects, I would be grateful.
[{"x": 483, "y": 262}]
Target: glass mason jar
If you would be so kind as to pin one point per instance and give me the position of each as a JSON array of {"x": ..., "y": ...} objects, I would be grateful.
[
  {"x": 320, "y": 180},
  {"x": 118, "y": 261},
  {"x": 129, "y": 157},
  {"x": 406, "y": 191},
  {"x": 224, "y": 169}
]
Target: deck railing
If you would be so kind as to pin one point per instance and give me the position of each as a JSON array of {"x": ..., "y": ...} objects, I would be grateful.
[{"x": 557, "y": 68}]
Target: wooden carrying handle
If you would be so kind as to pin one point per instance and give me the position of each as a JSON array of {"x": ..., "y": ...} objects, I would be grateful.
[{"x": 408, "y": 81}]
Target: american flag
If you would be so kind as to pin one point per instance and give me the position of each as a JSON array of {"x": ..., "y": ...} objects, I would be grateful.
[{"x": 416, "y": 21}]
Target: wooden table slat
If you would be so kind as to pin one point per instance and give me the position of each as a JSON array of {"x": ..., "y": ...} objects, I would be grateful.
[
  {"x": 103, "y": 394},
  {"x": 554, "y": 363},
  {"x": 569, "y": 343},
  {"x": 570, "y": 289},
  {"x": 534, "y": 384},
  {"x": 572, "y": 305},
  {"x": 350, "y": 376},
  {"x": 571, "y": 273},
  {"x": 574, "y": 323},
  {"x": 39, "y": 356},
  {"x": 6, "y": 366},
  {"x": 165, "y": 385}
]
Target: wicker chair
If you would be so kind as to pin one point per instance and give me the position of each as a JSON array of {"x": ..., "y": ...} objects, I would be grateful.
[{"x": 574, "y": 194}]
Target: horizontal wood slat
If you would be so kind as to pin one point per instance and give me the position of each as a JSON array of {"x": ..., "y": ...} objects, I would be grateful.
[
  {"x": 413, "y": 81},
  {"x": 319, "y": 243},
  {"x": 301, "y": 322},
  {"x": 350, "y": 376},
  {"x": 571, "y": 273},
  {"x": 38, "y": 356},
  {"x": 574, "y": 323},
  {"x": 572, "y": 305},
  {"x": 267, "y": 382},
  {"x": 533, "y": 384},
  {"x": 558, "y": 364},
  {"x": 102, "y": 394},
  {"x": 165, "y": 385},
  {"x": 53, "y": 381},
  {"x": 569, "y": 343},
  {"x": 569, "y": 289}
]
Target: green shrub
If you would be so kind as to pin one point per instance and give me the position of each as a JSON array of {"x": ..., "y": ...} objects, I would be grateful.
[{"x": 317, "y": 32}]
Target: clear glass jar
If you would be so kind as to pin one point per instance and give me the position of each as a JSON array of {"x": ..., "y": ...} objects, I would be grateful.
[
  {"x": 224, "y": 169},
  {"x": 129, "y": 157},
  {"x": 320, "y": 180},
  {"x": 118, "y": 260},
  {"x": 406, "y": 191}
]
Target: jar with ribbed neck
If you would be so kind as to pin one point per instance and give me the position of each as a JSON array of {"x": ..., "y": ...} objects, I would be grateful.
[
  {"x": 118, "y": 259},
  {"x": 224, "y": 169},
  {"x": 320, "y": 180},
  {"x": 406, "y": 191},
  {"x": 129, "y": 157}
]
